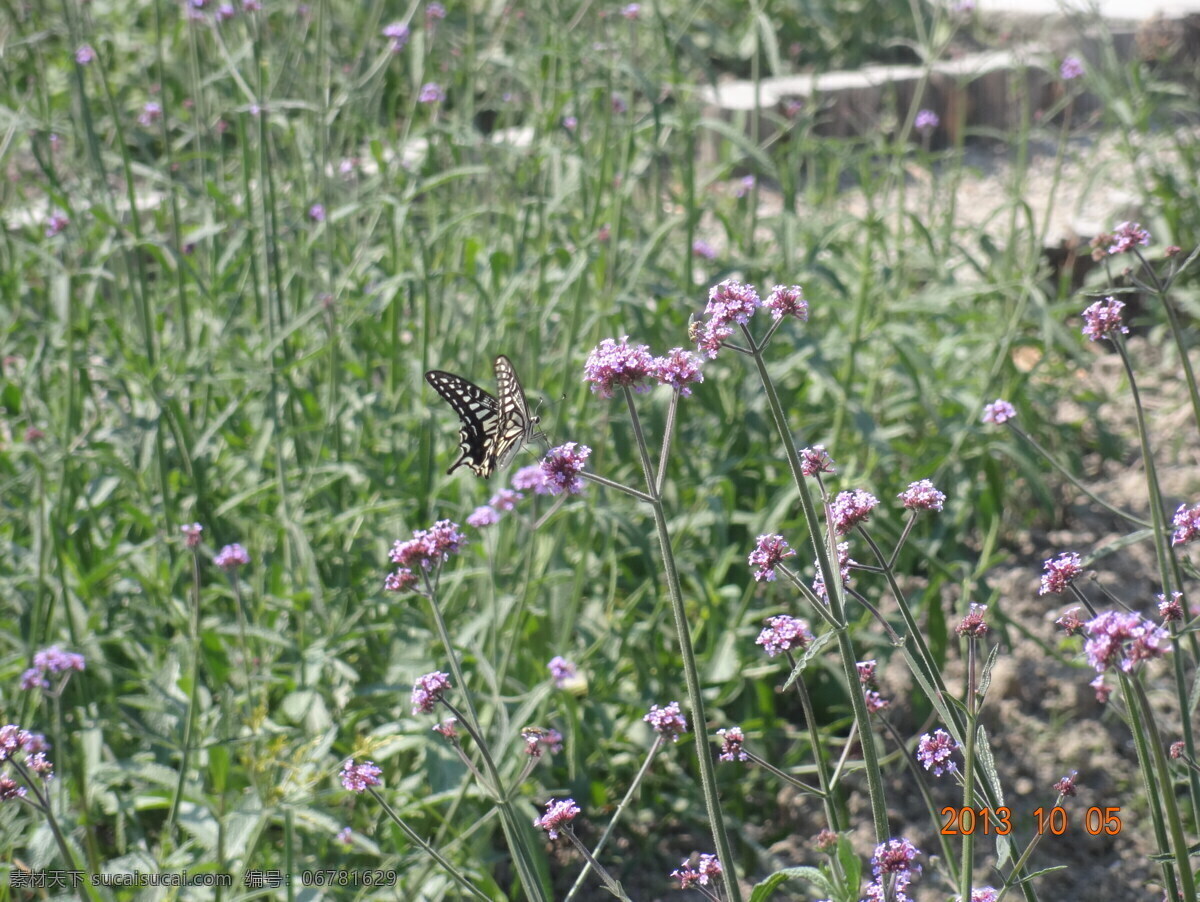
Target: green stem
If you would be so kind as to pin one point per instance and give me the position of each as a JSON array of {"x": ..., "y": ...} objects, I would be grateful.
[{"x": 708, "y": 779}]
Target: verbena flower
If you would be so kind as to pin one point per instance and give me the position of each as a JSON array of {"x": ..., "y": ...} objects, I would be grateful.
[
  {"x": 484, "y": 515},
  {"x": 447, "y": 728},
  {"x": 973, "y": 624},
  {"x": 531, "y": 479},
  {"x": 1102, "y": 689},
  {"x": 428, "y": 691},
  {"x": 434, "y": 12},
  {"x": 866, "y": 671},
  {"x": 357, "y": 777},
  {"x": 731, "y": 746},
  {"x": 150, "y": 114},
  {"x": 562, "y": 671},
  {"x": 506, "y": 499},
  {"x": 1103, "y": 318},
  {"x": 679, "y": 369},
  {"x": 1187, "y": 524},
  {"x": 56, "y": 222},
  {"x": 631, "y": 11},
  {"x": 618, "y": 104},
  {"x": 345, "y": 836},
  {"x": 1066, "y": 786},
  {"x": 33, "y": 678},
  {"x": 922, "y": 496},
  {"x": 1071, "y": 68},
  {"x": 784, "y": 633},
  {"x": 729, "y": 302},
  {"x": 1070, "y": 622},
  {"x": 787, "y": 300},
  {"x": 999, "y": 411},
  {"x": 852, "y": 508},
  {"x": 1059, "y": 572},
  {"x": 934, "y": 751},
  {"x": 745, "y": 185},
  {"x": 401, "y": 580},
  {"x": 708, "y": 867},
  {"x": 983, "y": 894},
  {"x": 559, "y": 813},
  {"x": 431, "y": 92},
  {"x": 85, "y": 54},
  {"x": 1171, "y": 609},
  {"x": 613, "y": 364},
  {"x": 1176, "y": 750},
  {"x": 816, "y": 460},
  {"x": 769, "y": 553},
  {"x": 225, "y": 12},
  {"x": 191, "y": 534},
  {"x": 1122, "y": 639},
  {"x": 561, "y": 467},
  {"x": 398, "y": 34},
  {"x": 53, "y": 659},
  {"x": 667, "y": 721},
  {"x": 538, "y": 741},
  {"x": 231, "y": 557},
  {"x": 845, "y": 562},
  {"x": 1126, "y": 236},
  {"x": 317, "y": 212},
  {"x": 892, "y": 865},
  {"x": 429, "y": 547},
  {"x": 926, "y": 121},
  {"x": 875, "y": 701},
  {"x": 570, "y": 123}
]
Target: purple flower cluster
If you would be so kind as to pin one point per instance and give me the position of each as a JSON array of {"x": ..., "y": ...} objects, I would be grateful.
[
  {"x": 150, "y": 114},
  {"x": 357, "y": 777},
  {"x": 1103, "y": 318},
  {"x": 1122, "y": 639},
  {"x": 428, "y": 691},
  {"x": 731, "y": 747},
  {"x": 892, "y": 865},
  {"x": 32, "y": 747},
  {"x": 852, "y": 508},
  {"x": 428, "y": 547},
  {"x": 922, "y": 496},
  {"x": 1071, "y": 68},
  {"x": 561, "y": 468},
  {"x": 231, "y": 557},
  {"x": 816, "y": 460},
  {"x": 999, "y": 411},
  {"x": 973, "y": 624},
  {"x": 787, "y": 300},
  {"x": 707, "y": 868},
  {"x": 1126, "y": 236},
  {"x": 784, "y": 633},
  {"x": 1059, "y": 572},
  {"x": 612, "y": 365},
  {"x": 398, "y": 34},
  {"x": 769, "y": 554},
  {"x": 191, "y": 534},
  {"x": 56, "y": 222},
  {"x": 934, "y": 751},
  {"x": 667, "y": 721},
  {"x": 845, "y": 562},
  {"x": 1187, "y": 524},
  {"x": 559, "y": 814},
  {"x": 51, "y": 660},
  {"x": 728, "y": 303},
  {"x": 562, "y": 671},
  {"x": 926, "y": 121}
]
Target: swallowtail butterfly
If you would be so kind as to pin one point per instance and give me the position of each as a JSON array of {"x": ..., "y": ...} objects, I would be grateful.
[{"x": 492, "y": 430}]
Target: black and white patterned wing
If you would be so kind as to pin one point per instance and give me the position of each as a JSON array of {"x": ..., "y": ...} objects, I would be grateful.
[
  {"x": 479, "y": 416},
  {"x": 515, "y": 426}
]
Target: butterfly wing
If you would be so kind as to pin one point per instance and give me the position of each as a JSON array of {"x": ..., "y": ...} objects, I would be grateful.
[
  {"x": 515, "y": 426},
  {"x": 479, "y": 416}
]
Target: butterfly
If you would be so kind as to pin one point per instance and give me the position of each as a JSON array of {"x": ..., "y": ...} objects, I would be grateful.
[{"x": 492, "y": 430}]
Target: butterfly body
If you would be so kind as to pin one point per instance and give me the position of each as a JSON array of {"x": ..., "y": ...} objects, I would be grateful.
[{"x": 491, "y": 429}]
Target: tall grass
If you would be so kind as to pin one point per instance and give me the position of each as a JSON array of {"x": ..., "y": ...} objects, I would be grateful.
[{"x": 237, "y": 237}]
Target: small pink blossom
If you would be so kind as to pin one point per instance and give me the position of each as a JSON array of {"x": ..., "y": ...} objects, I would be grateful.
[{"x": 999, "y": 411}]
